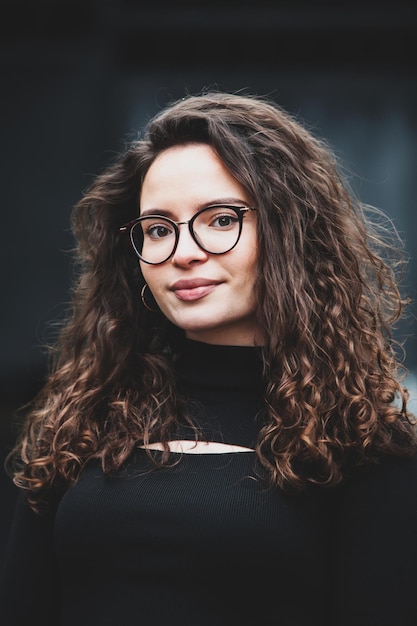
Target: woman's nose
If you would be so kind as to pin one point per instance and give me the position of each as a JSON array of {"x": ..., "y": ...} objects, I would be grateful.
[{"x": 187, "y": 250}]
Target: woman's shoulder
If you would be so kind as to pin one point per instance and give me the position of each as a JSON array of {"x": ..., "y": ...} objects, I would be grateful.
[{"x": 389, "y": 482}]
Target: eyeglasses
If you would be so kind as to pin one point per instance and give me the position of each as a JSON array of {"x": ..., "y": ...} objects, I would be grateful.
[{"x": 215, "y": 229}]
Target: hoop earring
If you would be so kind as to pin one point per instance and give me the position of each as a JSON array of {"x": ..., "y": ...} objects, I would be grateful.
[{"x": 142, "y": 297}]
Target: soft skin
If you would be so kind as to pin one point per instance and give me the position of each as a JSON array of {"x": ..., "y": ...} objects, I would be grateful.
[{"x": 216, "y": 303}]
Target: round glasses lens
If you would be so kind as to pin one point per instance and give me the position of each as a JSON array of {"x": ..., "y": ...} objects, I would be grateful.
[
  {"x": 217, "y": 229},
  {"x": 154, "y": 239}
]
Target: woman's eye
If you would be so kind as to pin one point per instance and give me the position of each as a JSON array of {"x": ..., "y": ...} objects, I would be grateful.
[
  {"x": 158, "y": 231},
  {"x": 224, "y": 221}
]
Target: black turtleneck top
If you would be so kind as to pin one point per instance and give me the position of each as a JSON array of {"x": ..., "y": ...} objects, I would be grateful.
[{"x": 204, "y": 544}]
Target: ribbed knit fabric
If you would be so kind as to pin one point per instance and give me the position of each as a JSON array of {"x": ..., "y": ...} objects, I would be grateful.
[
  {"x": 225, "y": 387},
  {"x": 203, "y": 544}
]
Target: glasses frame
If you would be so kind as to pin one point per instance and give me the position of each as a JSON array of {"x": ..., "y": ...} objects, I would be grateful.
[{"x": 129, "y": 227}]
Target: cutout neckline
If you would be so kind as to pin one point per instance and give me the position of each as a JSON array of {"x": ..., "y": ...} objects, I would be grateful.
[{"x": 185, "y": 446}]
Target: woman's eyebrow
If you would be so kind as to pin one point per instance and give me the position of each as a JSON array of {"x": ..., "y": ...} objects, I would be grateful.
[{"x": 161, "y": 212}]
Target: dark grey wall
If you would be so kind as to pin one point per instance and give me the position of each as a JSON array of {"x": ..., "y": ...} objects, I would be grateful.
[{"x": 80, "y": 76}]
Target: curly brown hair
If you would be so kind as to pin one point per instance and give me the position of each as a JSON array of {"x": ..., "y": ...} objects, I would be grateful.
[{"x": 328, "y": 298}]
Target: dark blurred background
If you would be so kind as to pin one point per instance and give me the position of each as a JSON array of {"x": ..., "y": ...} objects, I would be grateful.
[{"x": 78, "y": 77}]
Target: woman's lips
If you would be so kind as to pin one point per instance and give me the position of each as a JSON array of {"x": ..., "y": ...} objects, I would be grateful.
[{"x": 188, "y": 290}]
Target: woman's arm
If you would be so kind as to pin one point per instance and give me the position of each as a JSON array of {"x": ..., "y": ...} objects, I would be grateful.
[
  {"x": 376, "y": 547},
  {"x": 29, "y": 584}
]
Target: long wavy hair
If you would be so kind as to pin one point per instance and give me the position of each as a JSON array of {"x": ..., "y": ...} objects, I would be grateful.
[{"x": 328, "y": 299}]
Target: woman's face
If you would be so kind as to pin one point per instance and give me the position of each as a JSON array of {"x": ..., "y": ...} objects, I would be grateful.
[{"x": 211, "y": 297}]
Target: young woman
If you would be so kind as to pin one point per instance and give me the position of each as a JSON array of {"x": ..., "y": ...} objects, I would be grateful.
[{"x": 223, "y": 438}]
